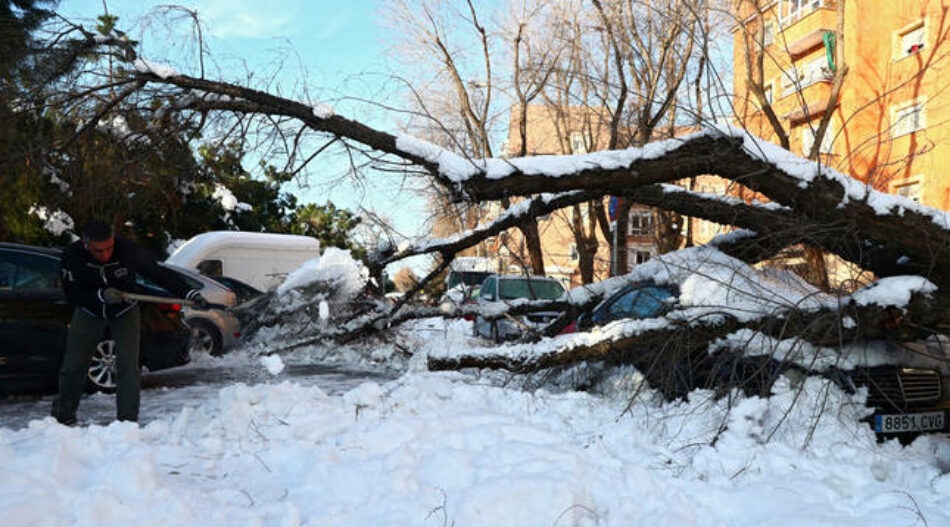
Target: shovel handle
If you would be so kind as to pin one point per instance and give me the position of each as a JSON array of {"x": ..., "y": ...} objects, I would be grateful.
[{"x": 154, "y": 299}]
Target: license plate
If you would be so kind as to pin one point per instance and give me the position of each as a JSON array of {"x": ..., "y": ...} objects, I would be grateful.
[{"x": 922, "y": 422}]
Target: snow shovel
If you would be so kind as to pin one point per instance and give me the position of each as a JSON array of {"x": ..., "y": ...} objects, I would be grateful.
[{"x": 154, "y": 299}]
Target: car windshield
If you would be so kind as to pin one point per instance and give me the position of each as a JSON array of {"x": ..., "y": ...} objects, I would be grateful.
[{"x": 534, "y": 289}]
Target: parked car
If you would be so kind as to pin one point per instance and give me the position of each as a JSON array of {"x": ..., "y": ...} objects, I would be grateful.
[
  {"x": 907, "y": 399},
  {"x": 213, "y": 330},
  {"x": 34, "y": 321},
  {"x": 634, "y": 301},
  {"x": 500, "y": 288}
]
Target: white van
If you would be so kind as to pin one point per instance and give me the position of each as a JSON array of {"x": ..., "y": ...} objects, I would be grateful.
[{"x": 260, "y": 259}]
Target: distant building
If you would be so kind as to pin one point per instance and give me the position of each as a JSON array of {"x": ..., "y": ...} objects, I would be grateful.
[
  {"x": 552, "y": 130},
  {"x": 579, "y": 130}
]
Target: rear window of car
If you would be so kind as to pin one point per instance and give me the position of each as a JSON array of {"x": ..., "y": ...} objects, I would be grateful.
[
  {"x": 191, "y": 282},
  {"x": 527, "y": 288},
  {"x": 643, "y": 302}
]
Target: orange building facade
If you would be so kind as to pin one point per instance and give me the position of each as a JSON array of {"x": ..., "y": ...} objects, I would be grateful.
[
  {"x": 575, "y": 130},
  {"x": 557, "y": 131},
  {"x": 888, "y": 123}
]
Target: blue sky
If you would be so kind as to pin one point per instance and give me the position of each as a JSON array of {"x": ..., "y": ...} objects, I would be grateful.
[
  {"x": 339, "y": 43},
  {"x": 336, "y": 37}
]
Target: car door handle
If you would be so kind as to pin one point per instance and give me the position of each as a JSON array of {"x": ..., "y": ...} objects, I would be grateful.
[{"x": 60, "y": 302}]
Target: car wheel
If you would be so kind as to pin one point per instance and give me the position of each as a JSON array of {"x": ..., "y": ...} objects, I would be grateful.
[
  {"x": 102, "y": 375},
  {"x": 205, "y": 338}
]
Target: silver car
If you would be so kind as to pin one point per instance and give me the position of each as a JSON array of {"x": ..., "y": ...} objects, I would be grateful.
[
  {"x": 499, "y": 288},
  {"x": 213, "y": 330}
]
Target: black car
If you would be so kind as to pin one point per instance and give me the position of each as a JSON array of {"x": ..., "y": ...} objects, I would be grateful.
[
  {"x": 34, "y": 320},
  {"x": 906, "y": 401}
]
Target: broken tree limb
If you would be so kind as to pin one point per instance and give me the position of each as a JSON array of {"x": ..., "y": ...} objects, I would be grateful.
[{"x": 537, "y": 206}]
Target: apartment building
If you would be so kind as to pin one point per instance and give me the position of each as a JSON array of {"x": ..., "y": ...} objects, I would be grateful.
[
  {"x": 888, "y": 121},
  {"x": 552, "y": 130}
]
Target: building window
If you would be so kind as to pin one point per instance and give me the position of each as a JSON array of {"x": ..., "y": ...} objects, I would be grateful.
[
  {"x": 574, "y": 254},
  {"x": 808, "y": 139},
  {"x": 793, "y": 10},
  {"x": 579, "y": 143},
  {"x": 637, "y": 256},
  {"x": 910, "y": 40},
  {"x": 708, "y": 229},
  {"x": 908, "y": 118},
  {"x": 791, "y": 80},
  {"x": 910, "y": 191},
  {"x": 800, "y": 77},
  {"x": 768, "y": 94},
  {"x": 768, "y": 34},
  {"x": 641, "y": 224}
]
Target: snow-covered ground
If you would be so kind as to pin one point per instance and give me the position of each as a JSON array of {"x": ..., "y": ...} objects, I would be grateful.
[
  {"x": 166, "y": 392},
  {"x": 452, "y": 449}
]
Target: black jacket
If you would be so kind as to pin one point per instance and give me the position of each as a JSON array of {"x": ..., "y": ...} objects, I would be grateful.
[{"x": 84, "y": 277}]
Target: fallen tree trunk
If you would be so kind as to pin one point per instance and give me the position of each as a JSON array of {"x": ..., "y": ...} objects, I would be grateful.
[{"x": 830, "y": 327}]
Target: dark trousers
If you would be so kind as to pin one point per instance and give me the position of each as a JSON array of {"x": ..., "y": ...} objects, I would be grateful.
[{"x": 85, "y": 331}]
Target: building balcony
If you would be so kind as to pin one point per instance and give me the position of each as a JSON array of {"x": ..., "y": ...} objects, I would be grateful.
[
  {"x": 808, "y": 43},
  {"x": 812, "y": 102},
  {"x": 798, "y": 27}
]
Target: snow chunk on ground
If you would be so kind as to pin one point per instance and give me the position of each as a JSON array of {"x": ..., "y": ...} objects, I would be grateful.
[{"x": 273, "y": 364}]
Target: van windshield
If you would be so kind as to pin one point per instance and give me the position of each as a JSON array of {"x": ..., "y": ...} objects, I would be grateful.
[
  {"x": 527, "y": 288},
  {"x": 469, "y": 278}
]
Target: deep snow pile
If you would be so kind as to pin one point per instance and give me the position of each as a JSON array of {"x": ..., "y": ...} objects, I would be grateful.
[
  {"x": 453, "y": 449},
  {"x": 440, "y": 449}
]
